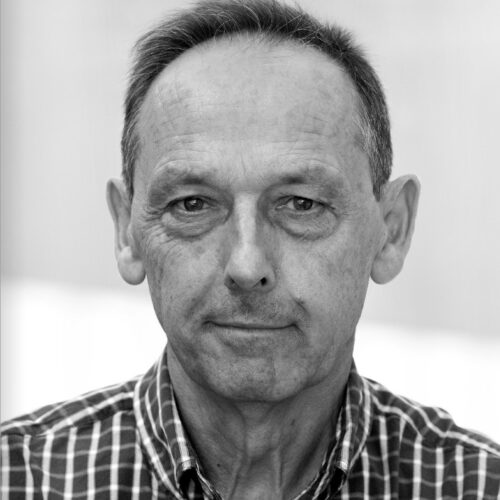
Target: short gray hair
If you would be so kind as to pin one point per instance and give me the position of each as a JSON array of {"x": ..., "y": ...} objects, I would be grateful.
[{"x": 210, "y": 19}]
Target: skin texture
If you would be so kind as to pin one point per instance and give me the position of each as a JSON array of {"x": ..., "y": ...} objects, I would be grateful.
[{"x": 255, "y": 223}]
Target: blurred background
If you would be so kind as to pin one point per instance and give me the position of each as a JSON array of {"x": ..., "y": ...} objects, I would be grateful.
[{"x": 68, "y": 322}]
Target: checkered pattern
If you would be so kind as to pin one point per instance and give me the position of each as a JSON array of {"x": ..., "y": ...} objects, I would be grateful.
[{"x": 127, "y": 442}]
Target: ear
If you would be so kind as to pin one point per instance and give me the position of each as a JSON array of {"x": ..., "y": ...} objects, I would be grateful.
[
  {"x": 399, "y": 201},
  {"x": 127, "y": 256}
]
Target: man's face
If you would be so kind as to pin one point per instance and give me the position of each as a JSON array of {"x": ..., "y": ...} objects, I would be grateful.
[{"x": 254, "y": 216}]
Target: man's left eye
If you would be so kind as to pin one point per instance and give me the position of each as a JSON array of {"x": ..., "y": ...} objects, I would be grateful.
[{"x": 297, "y": 203}]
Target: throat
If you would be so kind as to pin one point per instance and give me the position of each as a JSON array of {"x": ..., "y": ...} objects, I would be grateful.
[{"x": 267, "y": 463}]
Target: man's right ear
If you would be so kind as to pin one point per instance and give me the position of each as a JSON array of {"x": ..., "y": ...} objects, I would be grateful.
[{"x": 126, "y": 253}]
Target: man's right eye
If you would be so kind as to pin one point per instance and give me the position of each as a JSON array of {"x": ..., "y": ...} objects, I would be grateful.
[
  {"x": 191, "y": 216},
  {"x": 191, "y": 204},
  {"x": 188, "y": 205}
]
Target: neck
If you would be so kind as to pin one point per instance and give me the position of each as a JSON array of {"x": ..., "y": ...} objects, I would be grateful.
[{"x": 259, "y": 449}]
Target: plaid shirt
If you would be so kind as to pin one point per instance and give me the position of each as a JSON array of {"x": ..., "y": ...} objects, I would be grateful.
[{"x": 127, "y": 442}]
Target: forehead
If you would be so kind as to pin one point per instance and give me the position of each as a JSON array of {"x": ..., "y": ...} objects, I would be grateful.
[{"x": 249, "y": 96}]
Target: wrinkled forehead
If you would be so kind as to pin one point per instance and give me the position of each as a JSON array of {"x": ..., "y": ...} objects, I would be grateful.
[
  {"x": 245, "y": 68},
  {"x": 266, "y": 90}
]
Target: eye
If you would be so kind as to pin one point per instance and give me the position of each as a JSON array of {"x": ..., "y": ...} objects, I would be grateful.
[
  {"x": 193, "y": 215},
  {"x": 302, "y": 204},
  {"x": 306, "y": 218},
  {"x": 191, "y": 204}
]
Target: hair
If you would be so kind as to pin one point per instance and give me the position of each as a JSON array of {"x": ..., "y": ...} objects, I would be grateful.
[{"x": 211, "y": 19}]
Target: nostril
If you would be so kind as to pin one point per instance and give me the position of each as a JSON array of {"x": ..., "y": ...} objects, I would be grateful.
[{"x": 263, "y": 281}]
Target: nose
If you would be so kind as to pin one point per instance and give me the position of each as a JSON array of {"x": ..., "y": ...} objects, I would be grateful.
[{"x": 249, "y": 266}]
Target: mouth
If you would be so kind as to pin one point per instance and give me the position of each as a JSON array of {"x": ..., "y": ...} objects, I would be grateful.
[
  {"x": 254, "y": 329},
  {"x": 254, "y": 338},
  {"x": 251, "y": 326}
]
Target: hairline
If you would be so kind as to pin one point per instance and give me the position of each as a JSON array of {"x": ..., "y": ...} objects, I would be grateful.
[
  {"x": 359, "y": 132},
  {"x": 274, "y": 22}
]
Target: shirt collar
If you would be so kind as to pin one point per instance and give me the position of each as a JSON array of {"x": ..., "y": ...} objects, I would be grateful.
[
  {"x": 352, "y": 428},
  {"x": 174, "y": 461},
  {"x": 160, "y": 428}
]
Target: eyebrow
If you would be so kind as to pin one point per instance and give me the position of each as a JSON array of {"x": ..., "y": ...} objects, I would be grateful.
[
  {"x": 312, "y": 173},
  {"x": 167, "y": 177}
]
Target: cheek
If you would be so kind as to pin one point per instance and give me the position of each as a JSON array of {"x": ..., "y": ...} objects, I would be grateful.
[
  {"x": 330, "y": 281},
  {"x": 180, "y": 275}
]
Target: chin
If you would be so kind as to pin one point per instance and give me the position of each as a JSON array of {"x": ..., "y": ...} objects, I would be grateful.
[
  {"x": 256, "y": 381},
  {"x": 256, "y": 369}
]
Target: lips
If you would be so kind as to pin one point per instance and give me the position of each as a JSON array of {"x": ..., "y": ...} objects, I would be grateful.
[
  {"x": 244, "y": 325},
  {"x": 254, "y": 338}
]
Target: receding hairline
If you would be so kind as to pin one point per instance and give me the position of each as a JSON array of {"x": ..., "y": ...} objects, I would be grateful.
[
  {"x": 251, "y": 41},
  {"x": 213, "y": 19}
]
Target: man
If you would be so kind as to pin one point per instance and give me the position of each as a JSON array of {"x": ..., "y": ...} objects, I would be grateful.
[{"x": 256, "y": 200}]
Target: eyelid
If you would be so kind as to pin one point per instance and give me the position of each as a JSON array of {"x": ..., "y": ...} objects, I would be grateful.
[
  {"x": 177, "y": 201},
  {"x": 287, "y": 199},
  {"x": 322, "y": 193}
]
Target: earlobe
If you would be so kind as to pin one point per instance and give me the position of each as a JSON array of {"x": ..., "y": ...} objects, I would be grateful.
[
  {"x": 130, "y": 267},
  {"x": 127, "y": 256},
  {"x": 399, "y": 201}
]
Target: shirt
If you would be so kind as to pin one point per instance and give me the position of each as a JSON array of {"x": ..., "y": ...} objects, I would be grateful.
[{"x": 127, "y": 441}]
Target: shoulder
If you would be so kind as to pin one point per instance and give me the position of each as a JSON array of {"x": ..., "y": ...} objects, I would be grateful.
[
  {"x": 425, "y": 441},
  {"x": 431, "y": 426},
  {"x": 78, "y": 413},
  {"x": 44, "y": 443}
]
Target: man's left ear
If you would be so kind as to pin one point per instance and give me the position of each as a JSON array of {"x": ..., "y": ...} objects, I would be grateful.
[
  {"x": 127, "y": 252},
  {"x": 399, "y": 201}
]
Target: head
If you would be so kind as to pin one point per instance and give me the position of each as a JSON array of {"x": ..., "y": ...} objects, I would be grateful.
[{"x": 256, "y": 195}]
